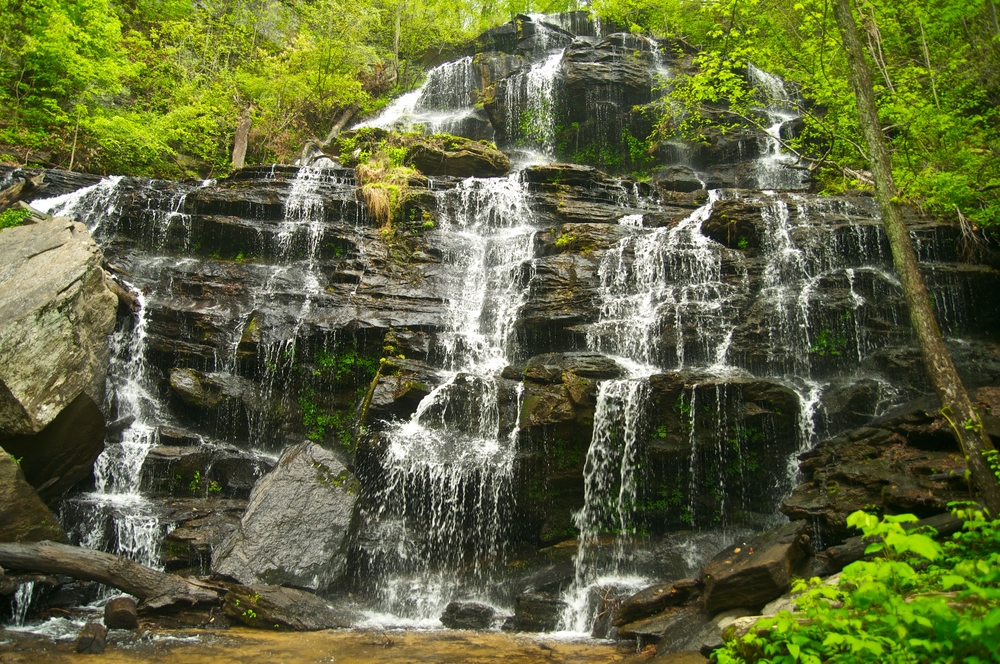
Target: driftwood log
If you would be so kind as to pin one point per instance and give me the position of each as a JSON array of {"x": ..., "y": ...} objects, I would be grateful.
[
  {"x": 21, "y": 189},
  {"x": 156, "y": 590}
]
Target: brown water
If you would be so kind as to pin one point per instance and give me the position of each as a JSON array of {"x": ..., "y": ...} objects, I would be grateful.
[{"x": 344, "y": 647}]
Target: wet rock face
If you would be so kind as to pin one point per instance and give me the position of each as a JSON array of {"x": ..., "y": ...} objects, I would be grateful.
[
  {"x": 906, "y": 461},
  {"x": 296, "y": 525}
]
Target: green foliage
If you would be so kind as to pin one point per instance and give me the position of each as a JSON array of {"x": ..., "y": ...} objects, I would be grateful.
[
  {"x": 15, "y": 459},
  {"x": 918, "y": 601},
  {"x": 829, "y": 343},
  {"x": 936, "y": 69},
  {"x": 564, "y": 240},
  {"x": 13, "y": 218},
  {"x": 158, "y": 87}
]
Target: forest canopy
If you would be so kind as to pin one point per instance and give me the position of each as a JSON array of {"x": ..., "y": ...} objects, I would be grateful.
[{"x": 157, "y": 87}]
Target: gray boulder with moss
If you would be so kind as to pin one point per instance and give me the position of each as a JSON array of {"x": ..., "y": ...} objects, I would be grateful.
[
  {"x": 55, "y": 312},
  {"x": 297, "y": 523}
]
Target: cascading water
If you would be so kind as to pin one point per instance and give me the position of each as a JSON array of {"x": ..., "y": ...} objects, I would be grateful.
[
  {"x": 444, "y": 509},
  {"x": 444, "y": 103},
  {"x": 655, "y": 280},
  {"x": 776, "y": 167},
  {"x": 530, "y": 98},
  {"x": 734, "y": 329}
]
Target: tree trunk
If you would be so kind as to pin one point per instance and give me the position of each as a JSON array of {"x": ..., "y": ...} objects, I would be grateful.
[
  {"x": 240, "y": 141},
  {"x": 156, "y": 590},
  {"x": 345, "y": 117},
  {"x": 955, "y": 404}
]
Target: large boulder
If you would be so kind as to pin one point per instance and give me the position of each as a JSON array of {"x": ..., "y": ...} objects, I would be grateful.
[
  {"x": 23, "y": 515},
  {"x": 456, "y": 156},
  {"x": 56, "y": 310},
  {"x": 63, "y": 453},
  {"x": 296, "y": 526},
  {"x": 753, "y": 573}
]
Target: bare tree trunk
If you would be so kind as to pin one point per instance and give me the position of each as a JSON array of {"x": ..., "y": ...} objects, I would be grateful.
[
  {"x": 345, "y": 117},
  {"x": 955, "y": 404},
  {"x": 240, "y": 142},
  {"x": 157, "y": 590}
]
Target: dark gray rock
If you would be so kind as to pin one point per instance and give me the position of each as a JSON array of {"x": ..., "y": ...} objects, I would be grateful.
[
  {"x": 206, "y": 391},
  {"x": 757, "y": 571},
  {"x": 468, "y": 615},
  {"x": 120, "y": 613},
  {"x": 904, "y": 461},
  {"x": 285, "y": 609},
  {"x": 652, "y": 600},
  {"x": 537, "y": 612},
  {"x": 23, "y": 515},
  {"x": 296, "y": 527},
  {"x": 673, "y": 625},
  {"x": 401, "y": 386},
  {"x": 92, "y": 639},
  {"x": 678, "y": 178},
  {"x": 63, "y": 453},
  {"x": 551, "y": 367}
]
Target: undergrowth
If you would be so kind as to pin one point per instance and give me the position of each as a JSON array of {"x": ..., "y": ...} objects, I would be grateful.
[{"x": 917, "y": 601}]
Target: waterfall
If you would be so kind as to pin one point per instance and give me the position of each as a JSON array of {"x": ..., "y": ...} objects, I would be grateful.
[
  {"x": 116, "y": 516},
  {"x": 775, "y": 167},
  {"x": 444, "y": 502},
  {"x": 529, "y": 99},
  {"x": 661, "y": 285},
  {"x": 22, "y": 603},
  {"x": 93, "y": 206},
  {"x": 444, "y": 103}
]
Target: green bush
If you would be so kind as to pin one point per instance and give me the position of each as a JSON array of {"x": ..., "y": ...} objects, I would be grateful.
[
  {"x": 918, "y": 601},
  {"x": 12, "y": 218}
]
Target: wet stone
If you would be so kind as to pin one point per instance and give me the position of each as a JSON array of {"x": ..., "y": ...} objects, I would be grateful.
[
  {"x": 468, "y": 615},
  {"x": 92, "y": 638}
]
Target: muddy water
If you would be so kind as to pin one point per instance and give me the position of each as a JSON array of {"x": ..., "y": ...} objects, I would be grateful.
[{"x": 343, "y": 647}]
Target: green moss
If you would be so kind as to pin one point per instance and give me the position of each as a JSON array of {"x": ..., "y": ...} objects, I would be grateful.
[{"x": 13, "y": 218}]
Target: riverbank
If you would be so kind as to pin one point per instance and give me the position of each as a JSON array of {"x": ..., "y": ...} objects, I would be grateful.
[{"x": 341, "y": 646}]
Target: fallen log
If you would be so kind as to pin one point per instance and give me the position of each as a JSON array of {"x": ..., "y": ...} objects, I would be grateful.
[
  {"x": 155, "y": 590},
  {"x": 21, "y": 189}
]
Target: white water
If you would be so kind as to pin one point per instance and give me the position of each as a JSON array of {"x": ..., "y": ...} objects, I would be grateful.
[
  {"x": 444, "y": 103},
  {"x": 530, "y": 99},
  {"x": 449, "y": 469},
  {"x": 775, "y": 168}
]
